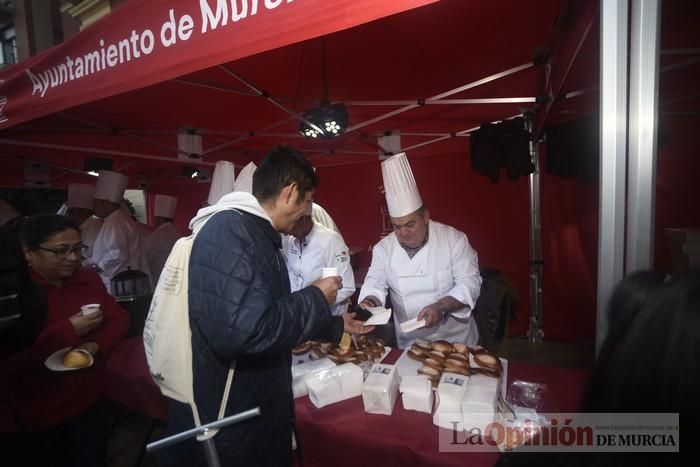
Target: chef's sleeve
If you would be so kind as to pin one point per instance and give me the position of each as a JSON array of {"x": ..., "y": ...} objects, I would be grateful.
[
  {"x": 465, "y": 273},
  {"x": 376, "y": 280}
]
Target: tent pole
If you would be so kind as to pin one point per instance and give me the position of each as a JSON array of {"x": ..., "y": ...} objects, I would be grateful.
[
  {"x": 641, "y": 170},
  {"x": 485, "y": 100},
  {"x": 436, "y": 97},
  {"x": 613, "y": 149},
  {"x": 133, "y": 155},
  {"x": 271, "y": 100},
  {"x": 535, "y": 332}
]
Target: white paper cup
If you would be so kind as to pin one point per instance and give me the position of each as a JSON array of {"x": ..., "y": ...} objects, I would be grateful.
[
  {"x": 328, "y": 272},
  {"x": 90, "y": 309}
]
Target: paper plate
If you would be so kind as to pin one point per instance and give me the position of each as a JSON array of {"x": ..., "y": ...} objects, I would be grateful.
[{"x": 55, "y": 361}]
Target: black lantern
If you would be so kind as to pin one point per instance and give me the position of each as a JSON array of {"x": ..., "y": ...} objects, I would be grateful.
[{"x": 130, "y": 284}]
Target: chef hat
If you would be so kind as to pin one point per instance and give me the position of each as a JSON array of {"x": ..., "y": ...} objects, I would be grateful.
[
  {"x": 322, "y": 217},
  {"x": 402, "y": 196},
  {"x": 244, "y": 181},
  {"x": 7, "y": 212},
  {"x": 111, "y": 186},
  {"x": 221, "y": 181},
  {"x": 80, "y": 195},
  {"x": 165, "y": 206}
]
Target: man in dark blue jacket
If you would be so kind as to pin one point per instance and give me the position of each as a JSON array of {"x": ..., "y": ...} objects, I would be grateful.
[{"x": 241, "y": 310}]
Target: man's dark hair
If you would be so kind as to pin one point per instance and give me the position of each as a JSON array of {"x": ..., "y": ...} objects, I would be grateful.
[
  {"x": 36, "y": 229},
  {"x": 281, "y": 167}
]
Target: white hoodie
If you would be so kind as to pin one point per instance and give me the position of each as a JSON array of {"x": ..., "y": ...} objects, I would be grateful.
[{"x": 236, "y": 200}]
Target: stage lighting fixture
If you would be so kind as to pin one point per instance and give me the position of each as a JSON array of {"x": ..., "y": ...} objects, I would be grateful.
[
  {"x": 330, "y": 121},
  {"x": 93, "y": 165},
  {"x": 191, "y": 172}
]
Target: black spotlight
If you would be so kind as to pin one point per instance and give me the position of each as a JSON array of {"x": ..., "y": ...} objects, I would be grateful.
[
  {"x": 331, "y": 120},
  {"x": 93, "y": 165},
  {"x": 191, "y": 172}
]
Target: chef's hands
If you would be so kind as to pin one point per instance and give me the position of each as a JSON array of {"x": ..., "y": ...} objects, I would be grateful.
[
  {"x": 91, "y": 347},
  {"x": 83, "y": 324},
  {"x": 353, "y": 326},
  {"x": 432, "y": 314},
  {"x": 329, "y": 287},
  {"x": 369, "y": 302}
]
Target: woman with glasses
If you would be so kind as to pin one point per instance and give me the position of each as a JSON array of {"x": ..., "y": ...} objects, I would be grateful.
[{"x": 61, "y": 413}]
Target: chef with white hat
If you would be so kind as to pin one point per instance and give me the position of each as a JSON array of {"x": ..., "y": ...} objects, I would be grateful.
[
  {"x": 118, "y": 246},
  {"x": 161, "y": 241},
  {"x": 308, "y": 248},
  {"x": 244, "y": 181},
  {"x": 429, "y": 269},
  {"x": 79, "y": 209},
  {"x": 221, "y": 182}
]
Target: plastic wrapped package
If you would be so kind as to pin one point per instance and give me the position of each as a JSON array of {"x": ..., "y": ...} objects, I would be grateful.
[
  {"x": 530, "y": 395},
  {"x": 479, "y": 405},
  {"x": 450, "y": 391},
  {"x": 417, "y": 393},
  {"x": 381, "y": 389},
  {"x": 304, "y": 370},
  {"x": 522, "y": 410},
  {"x": 334, "y": 384}
]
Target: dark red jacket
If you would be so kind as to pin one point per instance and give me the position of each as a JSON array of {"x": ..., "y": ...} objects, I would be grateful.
[{"x": 42, "y": 398}]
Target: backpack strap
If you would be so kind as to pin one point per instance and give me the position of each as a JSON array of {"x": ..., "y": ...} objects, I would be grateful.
[{"x": 222, "y": 408}]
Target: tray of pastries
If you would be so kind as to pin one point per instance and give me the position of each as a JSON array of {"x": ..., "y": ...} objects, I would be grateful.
[
  {"x": 434, "y": 358},
  {"x": 357, "y": 350}
]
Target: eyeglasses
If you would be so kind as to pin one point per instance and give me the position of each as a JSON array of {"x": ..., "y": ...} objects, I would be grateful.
[{"x": 63, "y": 252}]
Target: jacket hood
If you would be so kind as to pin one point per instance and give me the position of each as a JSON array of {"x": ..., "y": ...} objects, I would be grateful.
[{"x": 237, "y": 200}]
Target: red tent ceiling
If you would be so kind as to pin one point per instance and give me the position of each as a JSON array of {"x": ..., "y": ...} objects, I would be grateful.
[{"x": 405, "y": 57}]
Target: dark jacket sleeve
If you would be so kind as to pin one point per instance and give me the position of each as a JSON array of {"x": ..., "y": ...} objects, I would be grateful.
[{"x": 235, "y": 296}]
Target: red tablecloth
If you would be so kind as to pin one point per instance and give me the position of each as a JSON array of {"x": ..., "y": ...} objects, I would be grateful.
[{"x": 343, "y": 434}]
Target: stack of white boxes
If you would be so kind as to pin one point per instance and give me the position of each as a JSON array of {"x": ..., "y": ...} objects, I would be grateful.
[
  {"x": 479, "y": 403},
  {"x": 381, "y": 389},
  {"x": 334, "y": 384},
  {"x": 417, "y": 393},
  {"x": 302, "y": 371},
  {"x": 451, "y": 390}
]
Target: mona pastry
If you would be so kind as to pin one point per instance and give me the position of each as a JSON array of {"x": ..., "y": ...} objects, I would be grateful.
[{"x": 77, "y": 359}]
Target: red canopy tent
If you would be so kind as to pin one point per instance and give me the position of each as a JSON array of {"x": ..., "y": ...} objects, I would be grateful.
[{"x": 432, "y": 70}]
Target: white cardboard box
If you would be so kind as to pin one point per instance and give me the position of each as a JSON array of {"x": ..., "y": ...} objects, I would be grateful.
[{"x": 381, "y": 389}]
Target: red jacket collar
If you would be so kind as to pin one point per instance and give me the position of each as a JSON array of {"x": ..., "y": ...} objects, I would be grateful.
[{"x": 80, "y": 277}]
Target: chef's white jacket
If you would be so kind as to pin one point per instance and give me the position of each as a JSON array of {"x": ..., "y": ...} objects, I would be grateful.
[
  {"x": 118, "y": 246},
  {"x": 446, "y": 265},
  {"x": 158, "y": 247},
  {"x": 321, "y": 216},
  {"x": 89, "y": 230},
  {"x": 322, "y": 248}
]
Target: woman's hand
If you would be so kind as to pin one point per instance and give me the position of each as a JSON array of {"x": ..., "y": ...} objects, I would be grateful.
[
  {"x": 85, "y": 324},
  {"x": 91, "y": 347}
]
